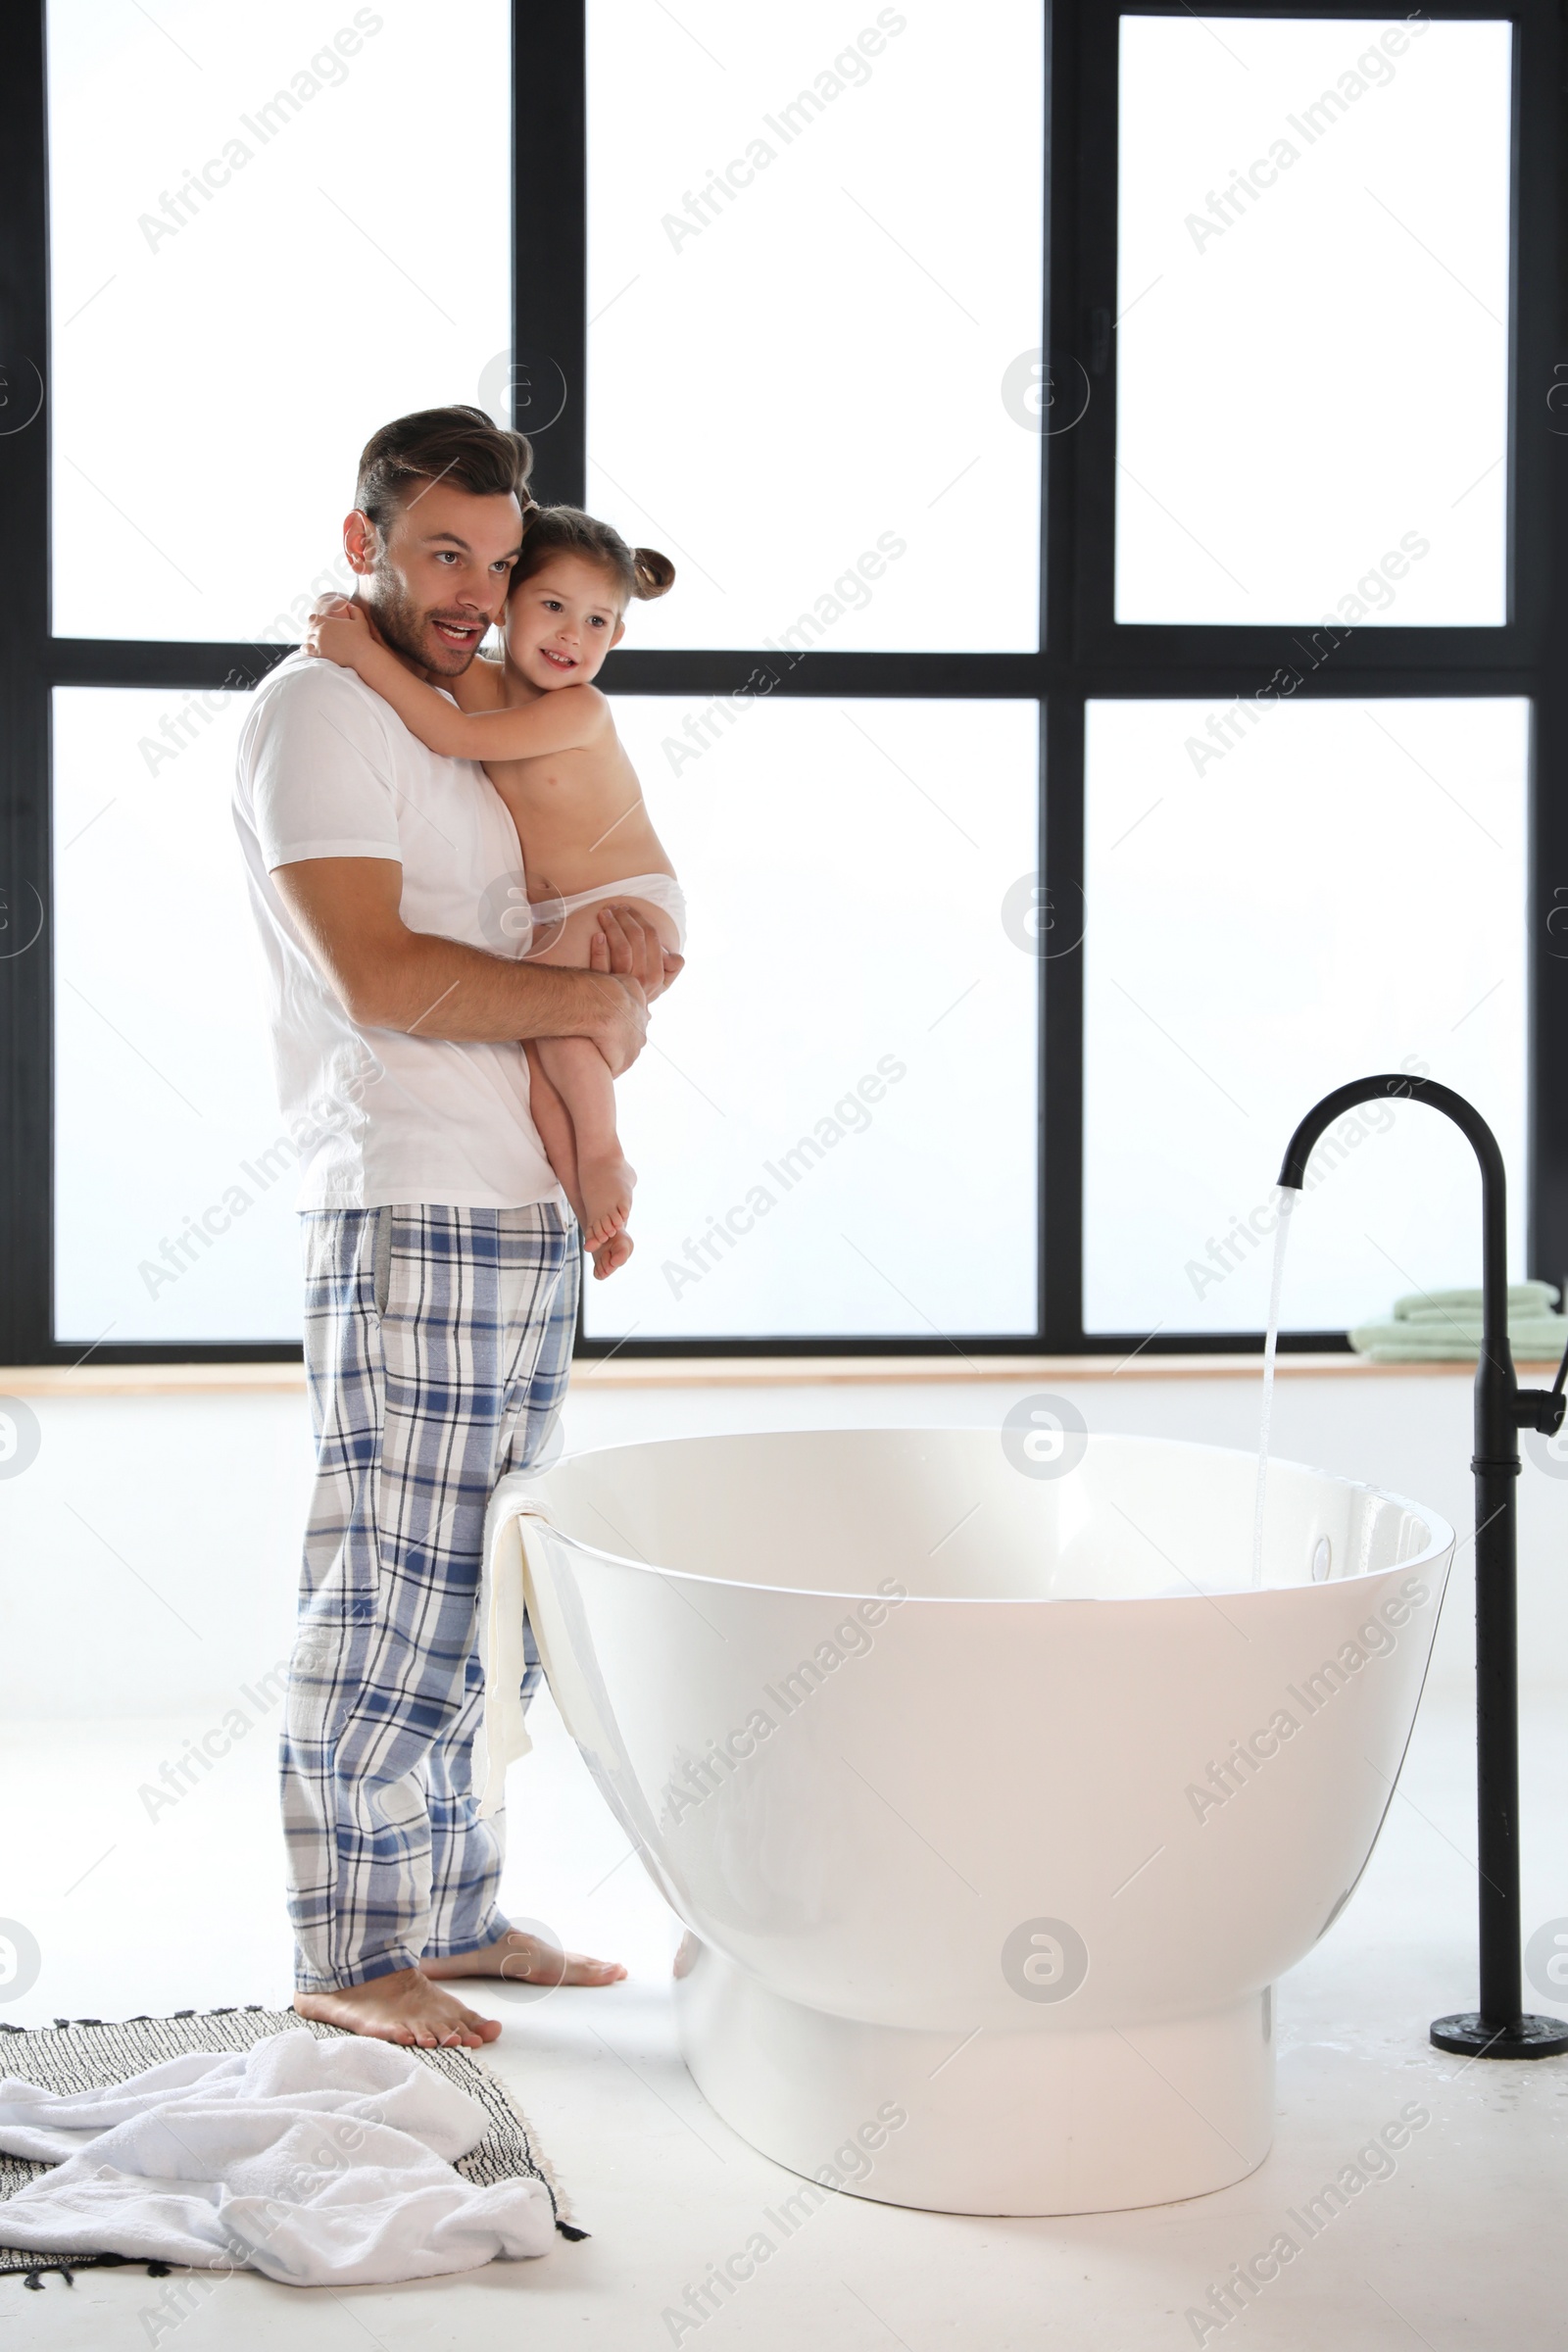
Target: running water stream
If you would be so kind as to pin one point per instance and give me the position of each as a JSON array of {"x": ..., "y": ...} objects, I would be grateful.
[{"x": 1287, "y": 1201}]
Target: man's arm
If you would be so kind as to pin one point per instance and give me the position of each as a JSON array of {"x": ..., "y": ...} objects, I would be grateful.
[{"x": 390, "y": 977}]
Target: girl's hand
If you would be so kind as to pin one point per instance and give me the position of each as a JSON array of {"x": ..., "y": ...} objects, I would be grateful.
[{"x": 337, "y": 631}]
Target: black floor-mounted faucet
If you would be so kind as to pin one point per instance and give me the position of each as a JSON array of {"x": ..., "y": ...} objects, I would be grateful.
[{"x": 1499, "y": 2028}]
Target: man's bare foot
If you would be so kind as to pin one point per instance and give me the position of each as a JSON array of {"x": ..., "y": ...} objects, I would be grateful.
[
  {"x": 403, "y": 2007},
  {"x": 611, "y": 1255},
  {"x": 523, "y": 1959},
  {"x": 607, "y": 1185}
]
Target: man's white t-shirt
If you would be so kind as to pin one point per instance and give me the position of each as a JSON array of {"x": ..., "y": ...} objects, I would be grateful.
[{"x": 327, "y": 769}]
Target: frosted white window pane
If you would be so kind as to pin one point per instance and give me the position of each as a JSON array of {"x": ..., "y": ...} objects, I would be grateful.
[
  {"x": 1313, "y": 261},
  {"x": 814, "y": 257},
  {"x": 1340, "y": 893},
  {"x": 167, "y": 1129},
  {"x": 846, "y": 1072},
  {"x": 224, "y": 346}
]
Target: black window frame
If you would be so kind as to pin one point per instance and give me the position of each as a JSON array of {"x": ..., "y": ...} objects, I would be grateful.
[{"x": 1085, "y": 655}]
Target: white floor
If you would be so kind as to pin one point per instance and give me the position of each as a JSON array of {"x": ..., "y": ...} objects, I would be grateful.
[{"x": 1463, "y": 2246}]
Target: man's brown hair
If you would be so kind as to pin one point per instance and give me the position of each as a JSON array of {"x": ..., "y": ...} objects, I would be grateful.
[{"x": 457, "y": 445}]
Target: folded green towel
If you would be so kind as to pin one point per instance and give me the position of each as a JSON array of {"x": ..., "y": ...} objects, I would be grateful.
[
  {"x": 1448, "y": 1352},
  {"x": 1527, "y": 1298},
  {"x": 1453, "y": 1333}
]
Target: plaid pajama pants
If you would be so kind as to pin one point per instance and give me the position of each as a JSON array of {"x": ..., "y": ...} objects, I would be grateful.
[{"x": 437, "y": 1346}]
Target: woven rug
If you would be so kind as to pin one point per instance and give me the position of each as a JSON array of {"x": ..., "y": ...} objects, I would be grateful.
[{"x": 85, "y": 2053}]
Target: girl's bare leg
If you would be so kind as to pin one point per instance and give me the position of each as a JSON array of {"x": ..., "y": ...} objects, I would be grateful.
[
  {"x": 580, "y": 1086},
  {"x": 581, "y": 1079},
  {"x": 554, "y": 1123}
]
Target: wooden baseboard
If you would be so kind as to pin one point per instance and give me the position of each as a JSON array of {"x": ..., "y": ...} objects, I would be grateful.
[{"x": 591, "y": 1374}]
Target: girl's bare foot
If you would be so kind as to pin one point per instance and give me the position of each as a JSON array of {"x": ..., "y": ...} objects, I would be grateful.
[
  {"x": 525, "y": 1960},
  {"x": 606, "y": 1184},
  {"x": 611, "y": 1255},
  {"x": 403, "y": 2007}
]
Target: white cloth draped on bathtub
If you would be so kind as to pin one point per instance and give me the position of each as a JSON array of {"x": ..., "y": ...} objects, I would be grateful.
[{"x": 503, "y": 1733}]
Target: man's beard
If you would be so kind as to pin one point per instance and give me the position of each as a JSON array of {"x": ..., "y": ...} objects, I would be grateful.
[{"x": 400, "y": 621}]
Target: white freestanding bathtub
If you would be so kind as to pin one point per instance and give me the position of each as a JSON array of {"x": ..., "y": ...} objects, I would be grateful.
[{"x": 993, "y": 1797}]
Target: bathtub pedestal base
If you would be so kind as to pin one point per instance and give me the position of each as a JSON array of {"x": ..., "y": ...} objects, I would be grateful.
[{"x": 1044, "y": 2120}]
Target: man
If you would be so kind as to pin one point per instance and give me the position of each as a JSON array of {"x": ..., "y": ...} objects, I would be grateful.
[{"x": 441, "y": 1259}]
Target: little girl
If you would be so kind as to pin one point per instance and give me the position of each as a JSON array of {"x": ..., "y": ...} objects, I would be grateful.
[{"x": 549, "y": 746}]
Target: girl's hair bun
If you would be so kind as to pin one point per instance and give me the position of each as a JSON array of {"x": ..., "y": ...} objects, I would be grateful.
[
  {"x": 654, "y": 574},
  {"x": 549, "y": 531}
]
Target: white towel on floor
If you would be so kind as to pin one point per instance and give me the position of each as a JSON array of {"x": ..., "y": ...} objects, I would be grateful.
[{"x": 319, "y": 2163}]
